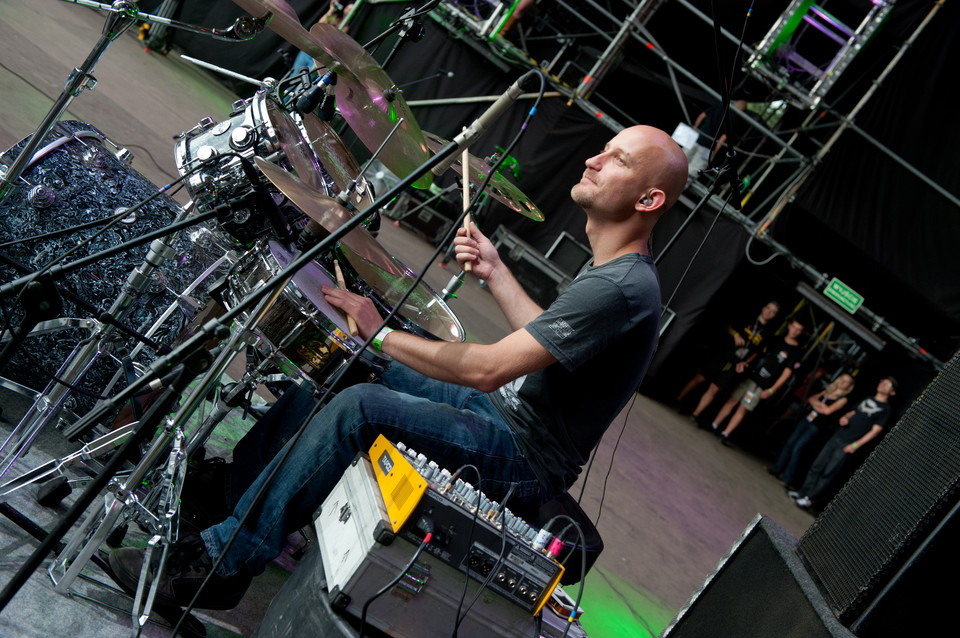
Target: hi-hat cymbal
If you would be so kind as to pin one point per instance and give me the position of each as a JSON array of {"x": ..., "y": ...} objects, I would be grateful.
[
  {"x": 327, "y": 212},
  {"x": 336, "y": 159},
  {"x": 372, "y": 105},
  {"x": 499, "y": 187}
]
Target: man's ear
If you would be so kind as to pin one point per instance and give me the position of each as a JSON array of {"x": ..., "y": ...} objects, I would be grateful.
[{"x": 652, "y": 200}]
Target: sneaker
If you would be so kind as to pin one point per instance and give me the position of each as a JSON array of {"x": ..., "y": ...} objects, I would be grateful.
[
  {"x": 804, "y": 502},
  {"x": 794, "y": 494},
  {"x": 188, "y": 565},
  {"x": 725, "y": 440}
]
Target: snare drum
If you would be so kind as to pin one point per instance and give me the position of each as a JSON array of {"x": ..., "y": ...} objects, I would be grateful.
[
  {"x": 209, "y": 160},
  {"x": 310, "y": 333},
  {"x": 423, "y": 312}
]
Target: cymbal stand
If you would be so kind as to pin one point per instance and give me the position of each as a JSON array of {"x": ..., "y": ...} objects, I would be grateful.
[
  {"x": 233, "y": 396},
  {"x": 122, "y": 499},
  {"x": 49, "y": 404},
  {"x": 121, "y": 15},
  {"x": 184, "y": 299}
]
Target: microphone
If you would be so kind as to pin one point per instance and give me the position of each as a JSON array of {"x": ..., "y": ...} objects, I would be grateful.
[
  {"x": 310, "y": 98},
  {"x": 265, "y": 203},
  {"x": 311, "y": 234},
  {"x": 488, "y": 117},
  {"x": 450, "y": 290},
  {"x": 328, "y": 106}
]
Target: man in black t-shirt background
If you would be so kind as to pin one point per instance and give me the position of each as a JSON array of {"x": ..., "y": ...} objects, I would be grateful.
[
  {"x": 765, "y": 376},
  {"x": 857, "y": 428},
  {"x": 743, "y": 345}
]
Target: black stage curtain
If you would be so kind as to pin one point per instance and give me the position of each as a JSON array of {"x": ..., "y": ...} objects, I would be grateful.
[{"x": 901, "y": 234}]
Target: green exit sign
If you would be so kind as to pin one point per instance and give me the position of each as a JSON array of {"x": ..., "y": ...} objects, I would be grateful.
[{"x": 848, "y": 298}]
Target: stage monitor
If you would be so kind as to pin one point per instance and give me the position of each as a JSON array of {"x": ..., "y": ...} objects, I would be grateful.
[{"x": 568, "y": 254}]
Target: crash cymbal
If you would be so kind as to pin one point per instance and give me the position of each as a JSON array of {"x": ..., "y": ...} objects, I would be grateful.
[
  {"x": 286, "y": 23},
  {"x": 336, "y": 159},
  {"x": 372, "y": 105},
  {"x": 295, "y": 146},
  {"x": 500, "y": 188},
  {"x": 327, "y": 212}
]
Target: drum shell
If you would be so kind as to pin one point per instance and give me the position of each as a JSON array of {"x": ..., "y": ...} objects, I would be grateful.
[
  {"x": 79, "y": 180},
  {"x": 209, "y": 161}
]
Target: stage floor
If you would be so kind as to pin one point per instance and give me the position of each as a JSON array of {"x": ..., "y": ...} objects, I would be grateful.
[{"x": 673, "y": 499}]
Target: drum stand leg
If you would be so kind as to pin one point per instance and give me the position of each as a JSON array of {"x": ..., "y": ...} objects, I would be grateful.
[
  {"x": 121, "y": 500},
  {"x": 47, "y": 406},
  {"x": 55, "y": 467}
]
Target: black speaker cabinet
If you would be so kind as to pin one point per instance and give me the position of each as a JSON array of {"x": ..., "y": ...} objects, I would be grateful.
[
  {"x": 885, "y": 547},
  {"x": 759, "y": 590}
]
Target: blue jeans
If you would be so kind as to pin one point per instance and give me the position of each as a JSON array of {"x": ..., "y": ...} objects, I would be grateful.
[
  {"x": 825, "y": 469},
  {"x": 450, "y": 424},
  {"x": 302, "y": 61},
  {"x": 800, "y": 438}
]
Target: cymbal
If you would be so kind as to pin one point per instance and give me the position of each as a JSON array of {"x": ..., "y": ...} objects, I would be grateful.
[
  {"x": 372, "y": 106},
  {"x": 384, "y": 274},
  {"x": 286, "y": 23},
  {"x": 500, "y": 188},
  {"x": 327, "y": 212},
  {"x": 336, "y": 159},
  {"x": 295, "y": 147}
]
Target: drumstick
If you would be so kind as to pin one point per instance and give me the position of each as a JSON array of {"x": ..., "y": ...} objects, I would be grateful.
[
  {"x": 351, "y": 322},
  {"x": 465, "y": 166}
]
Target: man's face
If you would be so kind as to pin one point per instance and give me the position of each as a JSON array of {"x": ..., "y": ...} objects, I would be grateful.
[
  {"x": 613, "y": 181},
  {"x": 794, "y": 329},
  {"x": 769, "y": 311},
  {"x": 885, "y": 387}
]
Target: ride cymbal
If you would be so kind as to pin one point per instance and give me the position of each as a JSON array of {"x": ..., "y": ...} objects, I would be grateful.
[{"x": 500, "y": 188}]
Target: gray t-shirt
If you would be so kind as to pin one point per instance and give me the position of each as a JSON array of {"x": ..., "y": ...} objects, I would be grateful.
[{"x": 602, "y": 330}]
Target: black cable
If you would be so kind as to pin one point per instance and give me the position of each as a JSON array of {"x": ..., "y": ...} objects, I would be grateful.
[
  {"x": 493, "y": 570},
  {"x": 603, "y": 492},
  {"x": 388, "y": 586},
  {"x": 583, "y": 563},
  {"x": 473, "y": 524}
]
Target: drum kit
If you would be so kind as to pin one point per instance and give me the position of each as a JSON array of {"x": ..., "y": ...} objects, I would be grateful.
[{"x": 279, "y": 207}]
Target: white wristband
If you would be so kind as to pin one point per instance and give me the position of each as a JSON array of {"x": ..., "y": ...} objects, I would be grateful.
[{"x": 377, "y": 342}]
